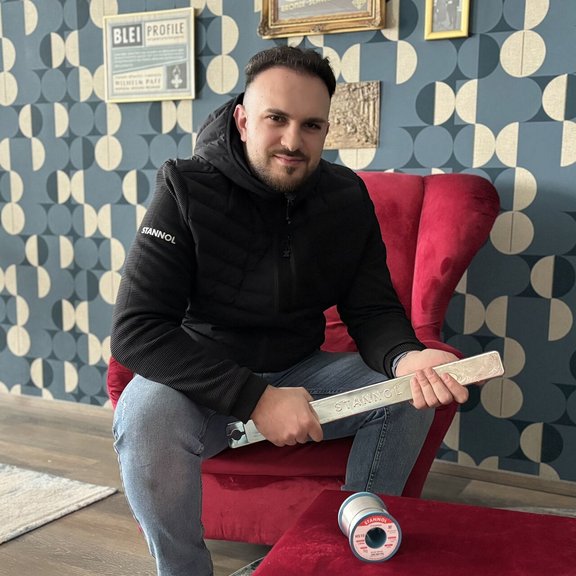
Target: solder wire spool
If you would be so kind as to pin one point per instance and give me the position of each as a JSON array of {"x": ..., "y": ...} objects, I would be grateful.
[{"x": 374, "y": 535}]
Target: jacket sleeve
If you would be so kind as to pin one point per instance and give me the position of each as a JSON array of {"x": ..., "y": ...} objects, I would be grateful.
[
  {"x": 157, "y": 282},
  {"x": 374, "y": 315}
]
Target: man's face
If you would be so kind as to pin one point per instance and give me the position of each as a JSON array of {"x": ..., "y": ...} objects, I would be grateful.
[{"x": 283, "y": 123}]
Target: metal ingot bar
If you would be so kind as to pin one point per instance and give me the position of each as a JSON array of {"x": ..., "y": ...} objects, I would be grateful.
[{"x": 466, "y": 371}]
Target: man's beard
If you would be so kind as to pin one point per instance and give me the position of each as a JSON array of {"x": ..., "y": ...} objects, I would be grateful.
[{"x": 276, "y": 183}]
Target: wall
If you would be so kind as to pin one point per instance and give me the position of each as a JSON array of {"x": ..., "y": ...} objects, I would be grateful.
[{"x": 76, "y": 175}]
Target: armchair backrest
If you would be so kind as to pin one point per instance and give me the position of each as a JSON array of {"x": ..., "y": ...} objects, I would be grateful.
[{"x": 432, "y": 226}]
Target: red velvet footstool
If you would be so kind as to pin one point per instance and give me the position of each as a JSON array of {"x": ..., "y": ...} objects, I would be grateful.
[{"x": 438, "y": 539}]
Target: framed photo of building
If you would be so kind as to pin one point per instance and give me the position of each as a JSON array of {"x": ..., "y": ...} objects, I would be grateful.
[
  {"x": 446, "y": 19},
  {"x": 149, "y": 56},
  {"x": 281, "y": 18}
]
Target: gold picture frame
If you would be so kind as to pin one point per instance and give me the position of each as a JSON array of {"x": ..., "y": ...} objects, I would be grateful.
[
  {"x": 446, "y": 19},
  {"x": 282, "y": 18}
]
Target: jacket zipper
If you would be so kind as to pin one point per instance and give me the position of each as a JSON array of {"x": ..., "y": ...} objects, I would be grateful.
[
  {"x": 283, "y": 277},
  {"x": 287, "y": 248}
]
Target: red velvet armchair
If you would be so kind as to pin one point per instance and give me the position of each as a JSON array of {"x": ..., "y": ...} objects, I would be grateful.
[{"x": 433, "y": 226}]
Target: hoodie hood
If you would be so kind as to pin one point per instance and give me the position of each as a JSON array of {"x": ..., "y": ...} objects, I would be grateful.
[{"x": 219, "y": 144}]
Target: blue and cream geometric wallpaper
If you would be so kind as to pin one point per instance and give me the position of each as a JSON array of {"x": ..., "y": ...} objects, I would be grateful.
[{"x": 76, "y": 175}]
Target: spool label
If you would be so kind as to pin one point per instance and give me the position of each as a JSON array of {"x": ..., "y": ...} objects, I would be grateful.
[{"x": 375, "y": 538}]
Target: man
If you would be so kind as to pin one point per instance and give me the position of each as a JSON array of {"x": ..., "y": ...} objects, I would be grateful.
[
  {"x": 220, "y": 310},
  {"x": 452, "y": 9}
]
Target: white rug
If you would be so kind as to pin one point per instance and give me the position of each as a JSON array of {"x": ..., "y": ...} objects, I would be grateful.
[{"x": 30, "y": 499}]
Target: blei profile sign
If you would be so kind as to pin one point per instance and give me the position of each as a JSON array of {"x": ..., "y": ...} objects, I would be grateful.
[{"x": 149, "y": 56}]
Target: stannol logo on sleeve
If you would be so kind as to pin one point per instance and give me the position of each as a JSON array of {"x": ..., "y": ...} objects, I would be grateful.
[{"x": 159, "y": 234}]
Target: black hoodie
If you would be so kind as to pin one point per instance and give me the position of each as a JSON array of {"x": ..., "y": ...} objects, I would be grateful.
[{"x": 227, "y": 277}]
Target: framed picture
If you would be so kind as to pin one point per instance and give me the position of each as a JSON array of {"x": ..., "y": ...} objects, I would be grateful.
[
  {"x": 446, "y": 19},
  {"x": 354, "y": 116},
  {"x": 149, "y": 56},
  {"x": 282, "y": 18}
]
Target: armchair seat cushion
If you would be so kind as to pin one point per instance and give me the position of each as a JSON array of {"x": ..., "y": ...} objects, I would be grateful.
[{"x": 313, "y": 460}]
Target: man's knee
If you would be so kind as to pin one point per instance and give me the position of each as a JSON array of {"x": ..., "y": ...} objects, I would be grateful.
[{"x": 156, "y": 417}]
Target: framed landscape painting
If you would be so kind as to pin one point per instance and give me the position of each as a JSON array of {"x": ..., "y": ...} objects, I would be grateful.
[{"x": 300, "y": 17}]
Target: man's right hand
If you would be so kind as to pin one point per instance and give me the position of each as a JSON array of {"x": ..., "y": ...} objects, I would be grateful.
[{"x": 284, "y": 416}]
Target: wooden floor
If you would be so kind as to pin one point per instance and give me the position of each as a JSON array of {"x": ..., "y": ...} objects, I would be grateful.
[{"x": 75, "y": 441}]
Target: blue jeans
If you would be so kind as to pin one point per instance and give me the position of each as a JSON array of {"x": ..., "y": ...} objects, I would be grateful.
[{"x": 161, "y": 438}]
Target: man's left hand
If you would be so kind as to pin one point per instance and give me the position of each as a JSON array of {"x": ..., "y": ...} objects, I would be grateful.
[{"x": 429, "y": 390}]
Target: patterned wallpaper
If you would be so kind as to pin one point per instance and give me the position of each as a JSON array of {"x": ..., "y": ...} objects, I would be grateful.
[{"x": 76, "y": 175}]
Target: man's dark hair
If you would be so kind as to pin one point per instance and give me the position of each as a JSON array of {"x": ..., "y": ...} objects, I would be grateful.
[{"x": 297, "y": 59}]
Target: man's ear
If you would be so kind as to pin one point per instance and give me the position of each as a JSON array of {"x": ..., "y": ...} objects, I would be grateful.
[{"x": 240, "y": 119}]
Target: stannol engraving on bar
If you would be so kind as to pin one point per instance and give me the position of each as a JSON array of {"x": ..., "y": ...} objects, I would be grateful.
[{"x": 368, "y": 398}]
